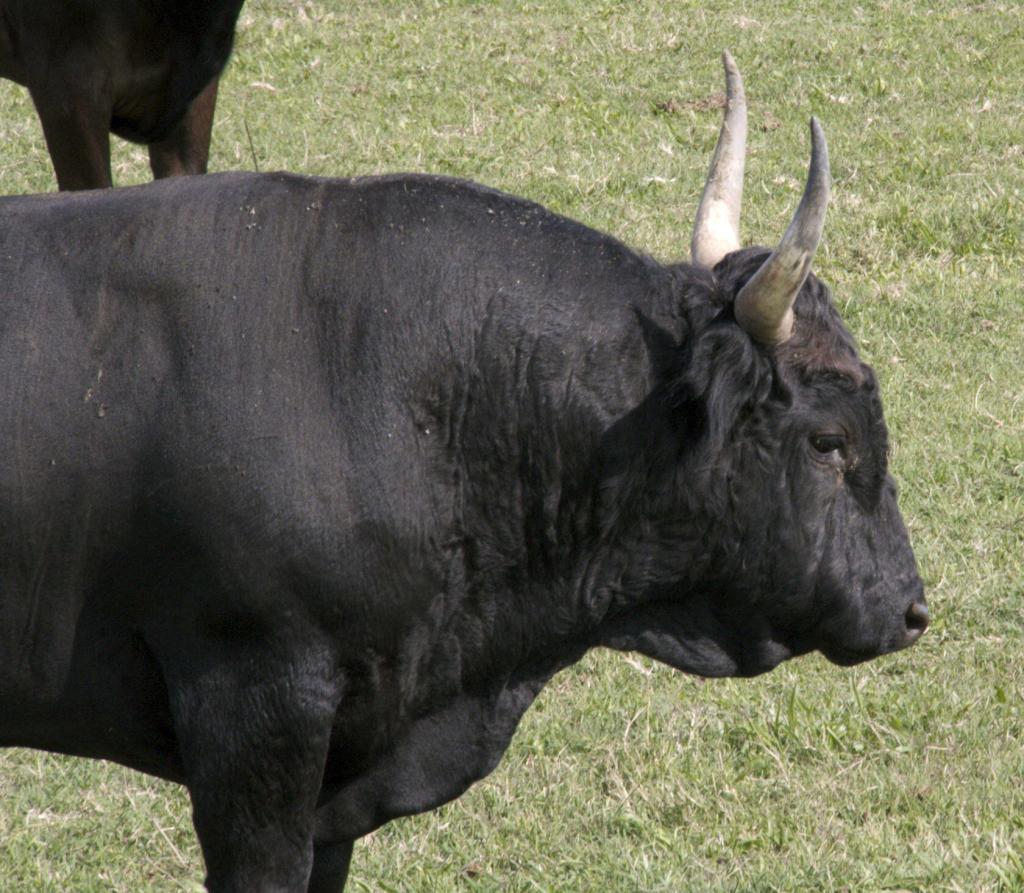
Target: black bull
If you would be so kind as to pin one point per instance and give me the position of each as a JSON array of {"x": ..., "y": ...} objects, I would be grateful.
[{"x": 309, "y": 486}]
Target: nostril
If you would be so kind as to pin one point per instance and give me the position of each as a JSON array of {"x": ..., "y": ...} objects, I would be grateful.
[{"x": 917, "y": 620}]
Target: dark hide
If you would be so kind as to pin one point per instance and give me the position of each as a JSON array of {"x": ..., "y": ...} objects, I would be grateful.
[
  {"x": 145, "y": 70},
  {"x": 310, "y": 486}
]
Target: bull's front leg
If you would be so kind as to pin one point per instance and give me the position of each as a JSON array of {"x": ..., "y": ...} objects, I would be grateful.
[
  {"x": 74, "y": 107},
  {"x": 186, "y": 149},
  {"x": 330, "y": 867},
  {"x": 253, "y": 727}
]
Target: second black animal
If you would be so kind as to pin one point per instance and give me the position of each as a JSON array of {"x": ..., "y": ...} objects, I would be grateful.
[{"x": 146, "y": 70}]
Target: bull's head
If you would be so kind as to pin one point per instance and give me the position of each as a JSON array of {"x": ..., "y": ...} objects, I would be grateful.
[
  {"x": 802, "y": 544},
  {"x": 869, "y": 597}
]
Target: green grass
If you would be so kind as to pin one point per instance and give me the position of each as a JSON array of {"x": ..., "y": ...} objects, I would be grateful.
[{"x": 902, "y": 775}]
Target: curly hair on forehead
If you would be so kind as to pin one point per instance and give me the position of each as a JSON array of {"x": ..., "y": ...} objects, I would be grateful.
[{"x": 821, "y": 344}]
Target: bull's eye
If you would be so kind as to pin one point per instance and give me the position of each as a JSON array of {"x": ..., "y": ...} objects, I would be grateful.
[{"x": 825, "y": 444}]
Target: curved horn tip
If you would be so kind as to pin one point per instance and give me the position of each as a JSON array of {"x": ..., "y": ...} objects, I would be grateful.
[
  {"x": 819, "y": 148},
  {"x": 733, "y": 80}
]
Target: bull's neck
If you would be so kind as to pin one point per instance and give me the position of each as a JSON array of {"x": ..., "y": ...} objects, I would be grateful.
[{"x": 582, "y": 418}]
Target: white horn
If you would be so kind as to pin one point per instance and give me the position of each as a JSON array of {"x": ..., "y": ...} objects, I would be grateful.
[{"x": 716, "y": 230}]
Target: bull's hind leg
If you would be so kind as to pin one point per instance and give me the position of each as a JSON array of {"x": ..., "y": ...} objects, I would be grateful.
[
  {"x": 186, "y": 149},
  {"x": 253, "y": 728}
]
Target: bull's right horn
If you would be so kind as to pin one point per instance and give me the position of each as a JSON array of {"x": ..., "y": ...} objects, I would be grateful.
[{"x": 716, "y": 230}]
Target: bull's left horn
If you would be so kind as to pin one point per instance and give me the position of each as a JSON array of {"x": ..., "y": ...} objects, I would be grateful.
[
  {"x": 764, "y": 306},
  {"x": 716, "y": 230}
]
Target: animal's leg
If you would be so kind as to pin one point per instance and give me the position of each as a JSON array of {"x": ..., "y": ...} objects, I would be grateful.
[
  {"x": 187, "y": 148},
  {"x": 330, "y": 867},
  {"x": 76, "y": 124},
  {"x": 253, "y": 728}
]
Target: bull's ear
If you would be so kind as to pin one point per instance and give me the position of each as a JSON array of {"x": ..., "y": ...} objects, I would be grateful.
[
  {"x": 716, "y": 231},
  {"x": 662, "y": 348},
  {"x": 723, "y": 377},
  {"x": 764, "y": 306}
]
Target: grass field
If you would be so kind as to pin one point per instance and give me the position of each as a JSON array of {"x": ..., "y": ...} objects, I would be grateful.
[{"x": 902, "y": 775}]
